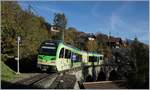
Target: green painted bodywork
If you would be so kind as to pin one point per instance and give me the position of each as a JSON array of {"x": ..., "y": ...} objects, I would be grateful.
[{"x": 46, "y": 58}]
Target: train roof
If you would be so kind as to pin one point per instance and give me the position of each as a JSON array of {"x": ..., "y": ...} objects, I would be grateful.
[
  {"x": 94, "y": 54},
  {"x": 52, "y": 41},
  {"x": 81, "y": 51},
  {"x": 77, "y": 50},
  {"x": 70, "y": 47}
]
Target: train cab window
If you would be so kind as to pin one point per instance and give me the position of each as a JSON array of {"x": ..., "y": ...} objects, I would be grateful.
[
  {"x": 67, "y": 54},
  {"x": 61, "y": 53}
]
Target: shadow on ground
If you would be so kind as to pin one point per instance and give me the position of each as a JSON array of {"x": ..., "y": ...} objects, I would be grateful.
[
  {"x": 8, "y": 85},
  {"x": 101, "y": 76},
  {"x": 27, "y": 65},
  {"x": 113, "y": 75}
]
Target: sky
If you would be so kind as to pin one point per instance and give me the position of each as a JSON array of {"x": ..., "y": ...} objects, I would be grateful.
[{"x": 125, "y": 19}]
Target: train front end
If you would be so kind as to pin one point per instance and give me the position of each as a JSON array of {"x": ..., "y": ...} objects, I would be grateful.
[{"x": 47, "y": 56}]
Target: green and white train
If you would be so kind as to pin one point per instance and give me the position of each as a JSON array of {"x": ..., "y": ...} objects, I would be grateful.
[{"x": 60, "y": 56}]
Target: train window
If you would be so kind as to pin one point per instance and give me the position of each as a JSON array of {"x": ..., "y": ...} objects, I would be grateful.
[
  {"x": 80, "y": 57},
  {"x": 101, "y": 58},
  {"x": 92, "y": 59},
  {"x": 98, "y": 59},
  {"x": 61, "y": 53},
  {"x": 74, "y": 57},
  {"x": 67, "y": 54},
  {"x": 47, "y": 50}
]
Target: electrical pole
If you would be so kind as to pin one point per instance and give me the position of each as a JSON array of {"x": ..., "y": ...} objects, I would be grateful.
[
  {"x": 63, "y": 35},
  {"x": 109, "y": 39},
  {"x": 18, "y": 40}
]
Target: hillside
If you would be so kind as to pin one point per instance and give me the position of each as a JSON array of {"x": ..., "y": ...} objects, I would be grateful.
[{"x": 6, "y": 72}]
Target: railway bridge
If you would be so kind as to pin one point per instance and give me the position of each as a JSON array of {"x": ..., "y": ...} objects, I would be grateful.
[{"x": 93, "y": 73}]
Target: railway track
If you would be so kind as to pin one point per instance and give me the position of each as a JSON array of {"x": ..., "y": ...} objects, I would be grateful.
[{"x": 42, "y": 80}]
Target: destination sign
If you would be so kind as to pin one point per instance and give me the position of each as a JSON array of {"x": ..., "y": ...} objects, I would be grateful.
[
  {"x": 50, "y": 43},
  {"x": 46, "y": 47}
]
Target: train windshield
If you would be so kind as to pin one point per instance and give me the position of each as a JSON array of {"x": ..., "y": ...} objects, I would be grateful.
[{"x": 48, "y": 49}]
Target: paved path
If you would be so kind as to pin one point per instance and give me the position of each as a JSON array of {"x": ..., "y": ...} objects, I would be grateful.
[
  {"x": 65, "y": 81},
  {"x": 104, "y": 85}
]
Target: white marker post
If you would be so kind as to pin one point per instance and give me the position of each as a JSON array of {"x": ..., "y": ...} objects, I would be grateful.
[{"x": 18, "y": 40}]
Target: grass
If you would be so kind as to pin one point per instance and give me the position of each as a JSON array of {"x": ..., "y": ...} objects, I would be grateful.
[{"x": 7, "y": 74}]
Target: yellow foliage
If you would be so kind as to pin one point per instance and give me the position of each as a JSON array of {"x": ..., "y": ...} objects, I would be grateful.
[{"x": 91, "y": 45}]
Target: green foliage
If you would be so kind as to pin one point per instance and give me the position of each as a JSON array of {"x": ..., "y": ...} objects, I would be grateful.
[
  {"x": 9, "y": 11},
  {"x": 4, "y": 57},
  {"x": 60, "y": 20},
  {"x": 6, "y": 72},
  {"x": 70, "y": 35},
  {"x": 16, "y": 22},
  {"x": 106, "y": 52},
  {"x": 139, "y": 55},
  {"x": 91, "y": 45}
]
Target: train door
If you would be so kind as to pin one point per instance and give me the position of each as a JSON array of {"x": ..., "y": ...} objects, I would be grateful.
[
  {"x": 73, "y": 59},
  {"x": 61, "y": 59},
  {"x": 67, "y": 58}
]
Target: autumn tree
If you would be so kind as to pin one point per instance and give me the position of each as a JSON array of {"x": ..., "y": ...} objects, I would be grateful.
[
  {"x": 18, "y": 22},
  {"x": 9, "y": 12},
  {"x": 91, "y": 45},
  {"x": 60, "y": 21}
]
